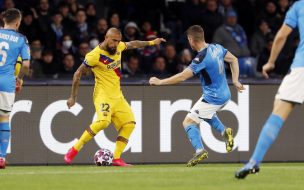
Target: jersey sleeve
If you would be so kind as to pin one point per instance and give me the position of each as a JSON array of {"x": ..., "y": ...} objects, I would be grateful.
[
  {"x": 196, "y": 65},
  {"x": 224, "y": 51},
  {"x": 25, "y": 51},
  {"x": 122, "y": 46},
  {"x": 90, "y": 60},
  {"x": 291, "y": 17}
]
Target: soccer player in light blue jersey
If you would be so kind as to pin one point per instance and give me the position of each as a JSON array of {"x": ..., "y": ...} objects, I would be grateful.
[
  {"x": 291, "y": 90},
  {"x": 209, "y": 64},
  {"x": 12, "y": 44}
]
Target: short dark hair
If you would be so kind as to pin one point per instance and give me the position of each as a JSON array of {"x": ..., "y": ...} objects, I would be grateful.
[
  {"x": 196, "y": 32},
  {"x": 11, "y": 15}
]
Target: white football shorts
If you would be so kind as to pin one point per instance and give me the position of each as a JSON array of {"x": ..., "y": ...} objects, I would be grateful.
[
  {"x": 6, "y": 101},
  {"x": 203, "y": 110},
  {"x": 292, "y": 87}
]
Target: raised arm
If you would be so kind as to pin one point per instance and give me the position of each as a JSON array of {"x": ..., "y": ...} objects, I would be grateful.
[
  {"x": 76, "y": 81},
  {"x": 187, "y": 73},
  {"x": 277, "y": 46},
  {"x": 140, "y": 44},
  {"x": 234, "y": 66}
]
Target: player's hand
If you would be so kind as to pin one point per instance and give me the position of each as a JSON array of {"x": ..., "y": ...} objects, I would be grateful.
[
  {"x": 266, "y": 68},
  {"x": 158, "y": 41},
  {"x": 239, "y": 86},
  {"x": 154, "y": 81},
  {"x": 71, "y": 102},
  {"x": 19, "y": 83}
]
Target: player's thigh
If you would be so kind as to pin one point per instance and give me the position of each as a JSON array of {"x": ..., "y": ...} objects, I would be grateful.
[
  {"x": 123, "y": 114},
  {"x": 203, "y": 110},
  {"x": 104, "y": 109},
  {"x": 292, "y": 88},
  {"x": 6, "y": 101}
]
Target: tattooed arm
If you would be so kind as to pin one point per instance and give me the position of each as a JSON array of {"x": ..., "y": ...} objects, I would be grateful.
[
  {"x": 76, "y": 81},
  {"x": 140, "y": 44}
]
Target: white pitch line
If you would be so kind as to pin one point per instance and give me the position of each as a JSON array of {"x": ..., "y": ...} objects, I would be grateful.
[{"x": 139, "y": 170}]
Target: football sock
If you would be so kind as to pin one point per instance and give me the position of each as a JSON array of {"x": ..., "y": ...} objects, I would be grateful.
[
  {"x": 267, "y": 136},
  {"x": 194, "y": 136},
  {"x": 5, "y": 134},
  {"x": 123, "y": 139},
  {"x": 216, "y": 123},
  {"x": 90, "y": 133}
]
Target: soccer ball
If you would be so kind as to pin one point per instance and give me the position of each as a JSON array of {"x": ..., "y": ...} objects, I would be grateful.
[{"x": 103, "y": 157}]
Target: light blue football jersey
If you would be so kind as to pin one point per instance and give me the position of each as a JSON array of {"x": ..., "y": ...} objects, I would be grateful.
[
  {"x": 295, "y": 19},
  {"x": 209, "y": 64},
  {"x": 12, "y": 44}
]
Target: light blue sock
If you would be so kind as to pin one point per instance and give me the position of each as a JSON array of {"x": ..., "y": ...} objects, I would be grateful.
[
  {"x": 216, "y": 124},
  {"x": 194, "y": 136},
  {"x": 267, "y": 136},
  {"x": 5, "y": 134}
]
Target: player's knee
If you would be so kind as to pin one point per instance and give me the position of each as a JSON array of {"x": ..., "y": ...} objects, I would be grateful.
[
  {"x": 130, "y": 125},
  {"x": 98, "y": 126},
  {"x": 4, "y": 116},
  {"x": 188, "y": 121},
  {"x": 126, "y": 130}
]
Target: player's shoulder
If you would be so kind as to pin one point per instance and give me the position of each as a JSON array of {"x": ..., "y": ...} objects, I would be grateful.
[
  {"x": 298, "y": 5},
  {"x": 200, "y": 56},
  {"x": 18, "y": 34}
]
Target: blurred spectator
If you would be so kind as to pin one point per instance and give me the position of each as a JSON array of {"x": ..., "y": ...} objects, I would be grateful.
[
  {"x": 68, "y": 66},
  {"x": 225, "y": 6},
  {"x": 211, "y": 19},
  {"x": 67, "y": 47},
  {"x": 83, "y": 49},
  {"x": 185, "y": 59},
  {"x": 147, "y": 29},
  {"x": 281, "y": 65},
  {"x": 29, "y": 26},
  {"x": 131, "y": 32},
  {"x": 149, "y": 53},
  {"x": 91, "y": 14},
  {"x": 82, "y": 28},
  {"x": 7, "y": 4},
  {"x": 93, "y": 43},
  {"x": 49, "y": 66},
  {"x": 283, "y": 8},
  {"x": 115, "y": 21},
  {"x": 171, "y": 58},
  {"x": 192, "y": 13},
  {"x": 258, "y": 40},
  {"x": 64, "y": 10},
  {"x": 56, "y": 31},
  {"x": 131, "y": 68},
  {"x": 271, "y": 16},
  {"x": 159, "y": 66},
  {"x": 74, "y": 6},
  {"x": 101, "y": 29},
  {"x": 44, "y": 20},
  {"x": 36, "y": 54},
  {"x": 232, "y": 36}
]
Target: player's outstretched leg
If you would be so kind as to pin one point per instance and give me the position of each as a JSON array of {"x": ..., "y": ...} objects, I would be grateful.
[
  {"x": 5, "y": 134},
  {"x": 121, "y": 143},
  {"x": 227, "y": 133},
  {"x": 267, "y": 136},
  {"x": 85, "y": 137},
  {"x": 195, "y": 138}
]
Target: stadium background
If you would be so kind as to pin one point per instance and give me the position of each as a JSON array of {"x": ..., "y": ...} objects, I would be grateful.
[{"x": 57, "y": 51}]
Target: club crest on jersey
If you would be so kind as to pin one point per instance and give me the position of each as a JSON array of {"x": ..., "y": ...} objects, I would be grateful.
[{"x": 105, "y": 60}]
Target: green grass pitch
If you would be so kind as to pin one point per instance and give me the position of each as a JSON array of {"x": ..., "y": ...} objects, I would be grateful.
[{"x": 145, "y": 177}]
